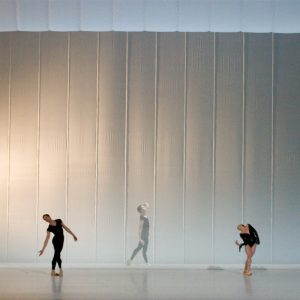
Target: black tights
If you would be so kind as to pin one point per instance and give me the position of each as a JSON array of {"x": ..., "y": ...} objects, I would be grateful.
[
  {"x": 138, "y": 248},
  {"x": 58, "y": 244}
]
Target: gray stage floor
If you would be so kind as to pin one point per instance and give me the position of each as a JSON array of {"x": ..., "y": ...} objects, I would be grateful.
[{"x": 151, "y": 283}]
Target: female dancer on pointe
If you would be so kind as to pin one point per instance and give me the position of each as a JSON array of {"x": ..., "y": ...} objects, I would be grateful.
[
  {"x": 56, "y": 227},
  {"x": 143, "y": 234},
  {"x": 250, "y": 239}
]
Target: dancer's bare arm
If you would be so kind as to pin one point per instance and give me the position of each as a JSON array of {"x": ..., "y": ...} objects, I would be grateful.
[
  {"x": 45, "y": 243},
  {"x": 67, "y": 229}
]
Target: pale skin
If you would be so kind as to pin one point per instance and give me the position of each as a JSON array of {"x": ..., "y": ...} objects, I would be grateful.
[
  {"x": 49, "y": 220},
  {"x": 250, "y": 251}
]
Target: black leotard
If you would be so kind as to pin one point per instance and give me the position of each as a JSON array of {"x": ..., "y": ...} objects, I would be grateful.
[
  {"x": 57, "y": 241},
  {"x": 57, "y": 229},
  {"x": 250, "y": 238}
]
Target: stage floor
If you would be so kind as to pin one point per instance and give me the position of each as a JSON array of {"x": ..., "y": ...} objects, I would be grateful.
[{"x": 151, "y": 283}]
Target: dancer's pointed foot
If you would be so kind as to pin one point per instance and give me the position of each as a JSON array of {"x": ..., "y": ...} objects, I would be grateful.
[
  {"x": 247, "y": 273},
  {"x": 53, "y": 273}
]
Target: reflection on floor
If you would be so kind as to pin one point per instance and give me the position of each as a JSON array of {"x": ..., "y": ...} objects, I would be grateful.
[{"x": 150, "y": 283}]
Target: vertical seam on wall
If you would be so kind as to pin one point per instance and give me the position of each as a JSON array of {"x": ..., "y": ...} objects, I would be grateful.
[
  {"x": 68, "y": 132},
  {"x": 272, "y": 148},
  {"x": 241, "y": 14},
  {"x": 126, "y": 151},
  {"x": 80, "y": 15},
  {"x": 243, "y": 130},
  {"x": 38, "y": 140},
  {"x": 210, "y": 16},
  {"x": 48, "y": 16},
  {"x": 177, "y": 12},
  {"x": 17, "y": 15},
  {"x": 213, "y": 183},
  {"x": 155, "y": 144},
  {"x": 112, "y": 15},
  {"x": 272, "y": 141},
  {"x": 144, "y": 15},
  {"x": 9, "y": 145},
  {"x": 184, "y": 141},
  {"x": 97, "y": 147}
]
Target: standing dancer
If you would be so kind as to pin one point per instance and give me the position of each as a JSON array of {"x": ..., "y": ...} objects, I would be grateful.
[
  {"x": 56, "y": 227},
  {"x": 250, "y": 240},
  {"x": 143, "y": 234}
]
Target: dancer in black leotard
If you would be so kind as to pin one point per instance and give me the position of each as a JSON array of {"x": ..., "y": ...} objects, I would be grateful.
[
  {"x": 143, "y": 234},
  {"x": 250, "y": 240},
  {"x": 56, "y": 227}
]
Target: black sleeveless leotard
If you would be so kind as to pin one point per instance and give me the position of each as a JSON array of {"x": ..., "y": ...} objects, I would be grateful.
[{"x": 250, "y": 238}]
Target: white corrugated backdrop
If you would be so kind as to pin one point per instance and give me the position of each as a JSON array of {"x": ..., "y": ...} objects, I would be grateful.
[{"x": 203, "y": 126}]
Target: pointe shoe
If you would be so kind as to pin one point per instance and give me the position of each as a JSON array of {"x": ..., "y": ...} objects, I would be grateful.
[
  {"x": 61, "y": 273},
  {"x": 247, "y": 273},
  {"x": 53, "y": 273}
]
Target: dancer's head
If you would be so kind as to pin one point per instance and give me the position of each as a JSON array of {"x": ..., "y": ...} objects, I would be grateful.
[
  {"x": 241, "y": 227},
  {"x": 142, "y": 208},
  {"x": 46, "y": 217}
]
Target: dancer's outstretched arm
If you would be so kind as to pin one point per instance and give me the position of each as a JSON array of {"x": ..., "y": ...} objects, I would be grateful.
[
  {"x": 67, "y": 229},
  {"x": 45, "y": 243}
]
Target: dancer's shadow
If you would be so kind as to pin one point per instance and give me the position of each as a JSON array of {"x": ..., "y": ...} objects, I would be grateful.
[
  {"x": 140, "y": 282},
  {"x": 248, "y": 285}
]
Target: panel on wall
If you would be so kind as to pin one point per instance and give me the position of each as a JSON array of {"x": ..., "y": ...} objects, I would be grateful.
[
  {"x": 169, "y": 247},
  {"x": 229, "y": 139},
  {"x": 199, "y": 148},
  {"x": 141, "y": 134},
  {"x": 53, "y": 132},
  {"x": 4, "y": 139},
  {"x": 111, "y": 208},
  {"x": 23, "y": 147},
  {"x": 286, "y": 204},
  {"x": 82, "y": 146},
  {"x": 258, "y": 139}
]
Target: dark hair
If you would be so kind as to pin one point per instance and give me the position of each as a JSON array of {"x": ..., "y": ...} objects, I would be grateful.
[
  {"x": 46, "y": 215},
  {"x": 139, "y": 208}
]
